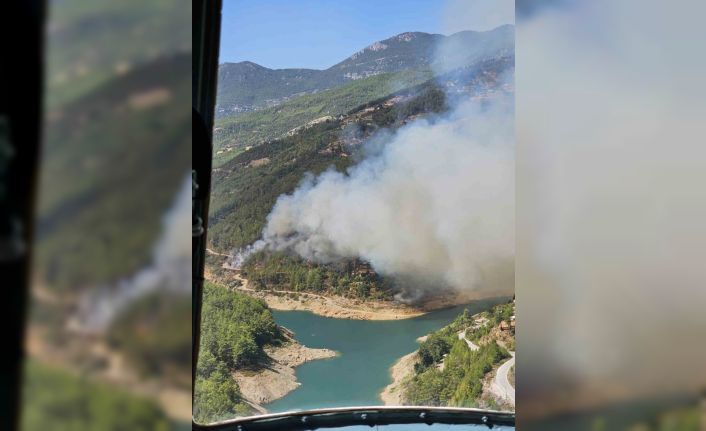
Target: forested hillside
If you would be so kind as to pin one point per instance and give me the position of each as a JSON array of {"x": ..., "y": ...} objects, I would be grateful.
[
  {"x": 352, "y": 279},
  {"x": 235, "y": 328},
  {"x": 246, "y": 188},
  {"x": 233, "y": 134},
  {"x": 97, "y": 220},
  {"x": 448, "y": 372}
]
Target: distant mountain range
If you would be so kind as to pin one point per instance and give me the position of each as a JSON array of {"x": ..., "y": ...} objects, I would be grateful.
[{"x": 246, "y": 86}]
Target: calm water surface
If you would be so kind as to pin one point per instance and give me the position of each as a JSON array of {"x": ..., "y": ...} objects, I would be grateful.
[{"x": 367, "y": 349}]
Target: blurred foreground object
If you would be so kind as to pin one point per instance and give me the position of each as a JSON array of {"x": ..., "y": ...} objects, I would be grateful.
[
  {"x": 108, "y": 333},
  {"x": 611, "y": 203}
]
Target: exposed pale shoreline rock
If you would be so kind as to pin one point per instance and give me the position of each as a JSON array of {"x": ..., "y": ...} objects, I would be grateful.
[
  {"x": 347, "y": 308},
  {"x": 278, "y": 377},
  {"x": 400, "y": 371},
  {"x": 339, "y": 307}
]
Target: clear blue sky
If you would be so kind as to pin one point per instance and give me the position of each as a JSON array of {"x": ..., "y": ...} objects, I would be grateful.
[{"x": 317, "y": 33}]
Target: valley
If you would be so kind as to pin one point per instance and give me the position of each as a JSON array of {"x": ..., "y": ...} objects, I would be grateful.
[
  {"x": 366, "y": 350},
  {"x": 244, "y": 192},
  {"x": 325, "y": 332},
  {"x": 297, "y": 359}
]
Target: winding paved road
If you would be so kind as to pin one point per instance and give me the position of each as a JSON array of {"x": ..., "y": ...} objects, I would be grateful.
[{"x": 501, "y": 386}]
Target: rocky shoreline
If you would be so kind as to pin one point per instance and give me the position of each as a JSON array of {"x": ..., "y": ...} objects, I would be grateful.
[
  {"x": 346, "y": 308},
  {"x": 277, "y": 378},
  {"x": 400, "y": 371},
  {"x": 337, "y": 307}
]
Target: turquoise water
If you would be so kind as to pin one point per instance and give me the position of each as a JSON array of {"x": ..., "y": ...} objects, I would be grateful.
[{"x": 367, "y": 349}]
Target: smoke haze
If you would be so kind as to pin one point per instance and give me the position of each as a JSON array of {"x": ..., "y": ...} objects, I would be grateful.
[
  {"x": 478, "y": 15},
  {"x": 611, "y": 202}
]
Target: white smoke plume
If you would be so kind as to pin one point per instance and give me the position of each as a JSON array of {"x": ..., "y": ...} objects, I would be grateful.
[
  {"x": 169, "y": 270},
  {"x": 435, "y": 203}
]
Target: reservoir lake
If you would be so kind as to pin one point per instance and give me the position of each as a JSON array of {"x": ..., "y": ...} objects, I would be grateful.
[{"x": 367, "y": 349}]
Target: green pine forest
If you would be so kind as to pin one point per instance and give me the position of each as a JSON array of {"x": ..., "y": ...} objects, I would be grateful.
[{"x": 235, "y": 328}]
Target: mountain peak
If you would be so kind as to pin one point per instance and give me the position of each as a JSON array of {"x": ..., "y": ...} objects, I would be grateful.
[
  {"x": 246, "y": 65},
  {"x": 377, "y": 46},
  {"x": 406, "y": 37}
]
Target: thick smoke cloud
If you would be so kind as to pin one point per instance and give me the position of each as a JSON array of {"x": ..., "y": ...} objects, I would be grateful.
[{"x": 434, "y": 204}]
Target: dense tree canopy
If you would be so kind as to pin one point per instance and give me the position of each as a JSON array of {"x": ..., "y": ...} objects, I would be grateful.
[
  {"x": 283, "y": 271},
  {"x": 234, "y": 329}
]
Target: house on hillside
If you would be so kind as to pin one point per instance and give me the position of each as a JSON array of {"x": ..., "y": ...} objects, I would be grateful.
[{"x": 505, "y": 326}]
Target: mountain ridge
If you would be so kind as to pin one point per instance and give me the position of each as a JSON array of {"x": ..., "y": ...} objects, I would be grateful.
[
  {"x": 247, "y": 86},
  {"x": 403, "y": 35}
]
